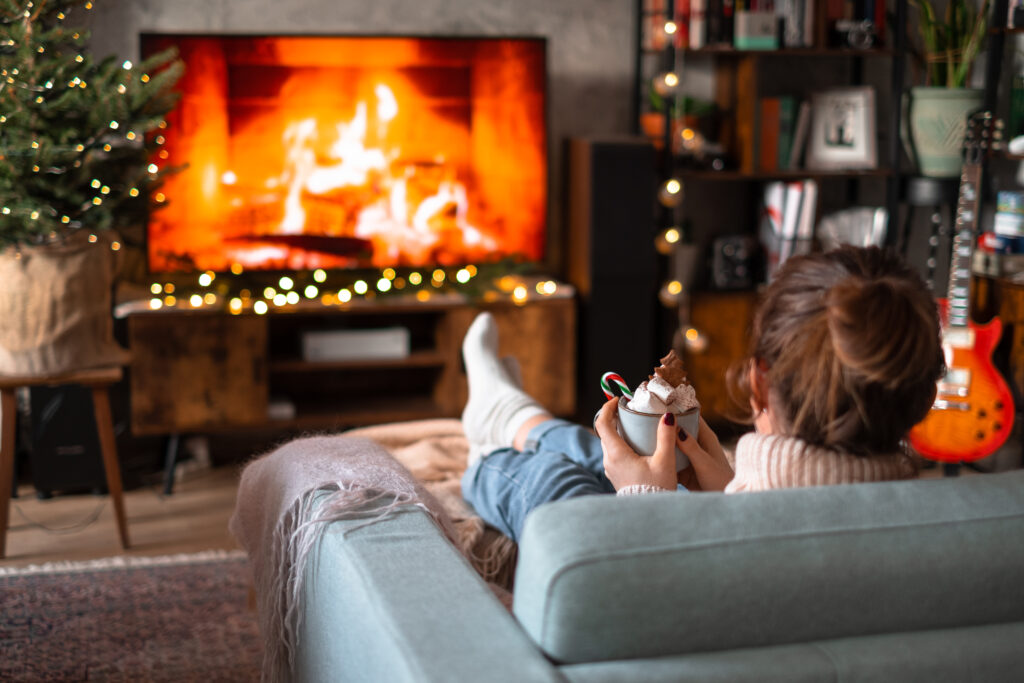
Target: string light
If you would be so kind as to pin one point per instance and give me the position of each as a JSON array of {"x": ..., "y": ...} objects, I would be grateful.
[
  {"x": 156, "y": 288},
  {"x": 235, "y": 305},
  {"x": 344, "y": 296},
  {"x": 415, "y": 278},
  {"x": 260, "y": 307},
  {"x": 383, "y": 284},
  {"x": 666, "y": 84},
  {"x": 292, "y": 298},
  {"x": 671, "y": 193},
  {"x": 280, "y": 299},
  {"x": 286, "y": 283},
  {"x": 311, "y": 291},
  {"x": 360, "y": 287},
  {"x": 320, "y": 275},
  {"x": 666, "y": 241}
]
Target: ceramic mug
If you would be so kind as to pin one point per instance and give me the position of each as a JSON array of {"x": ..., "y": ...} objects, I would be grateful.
[{"x": 640, "y": 430}]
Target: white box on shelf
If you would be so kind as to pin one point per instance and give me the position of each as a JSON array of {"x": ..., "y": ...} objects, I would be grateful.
[{"x": 341, "y": 345}]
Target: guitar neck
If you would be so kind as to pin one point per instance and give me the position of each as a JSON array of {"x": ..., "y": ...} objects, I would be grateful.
[{"x": 959, "y": 291}]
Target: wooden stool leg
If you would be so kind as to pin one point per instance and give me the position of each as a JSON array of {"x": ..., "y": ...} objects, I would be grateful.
[
  {"x": 105, "y": 427},
  {"x": 8, "y": 408}
]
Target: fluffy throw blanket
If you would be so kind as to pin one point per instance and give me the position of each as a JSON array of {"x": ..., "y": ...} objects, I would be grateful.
[{"x": 383, "y": 467}]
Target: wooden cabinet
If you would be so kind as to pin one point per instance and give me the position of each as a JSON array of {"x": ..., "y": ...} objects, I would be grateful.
[{"x": 199, "y": 371}]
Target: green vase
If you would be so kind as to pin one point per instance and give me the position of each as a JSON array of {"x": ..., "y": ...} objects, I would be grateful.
[{"x": 936, "y": 121}]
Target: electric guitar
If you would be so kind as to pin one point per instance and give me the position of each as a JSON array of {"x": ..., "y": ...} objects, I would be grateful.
[{"x": 973, "y": 411}]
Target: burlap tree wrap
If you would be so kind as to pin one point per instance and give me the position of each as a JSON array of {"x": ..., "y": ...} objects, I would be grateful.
[{"x": 55, "y": 307}]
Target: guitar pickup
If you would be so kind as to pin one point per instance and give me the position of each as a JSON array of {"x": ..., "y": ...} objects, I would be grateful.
[{"x": 942, "y": 404}]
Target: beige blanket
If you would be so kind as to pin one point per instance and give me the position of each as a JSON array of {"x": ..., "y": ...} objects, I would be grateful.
[{"x": 388, "y": 466}]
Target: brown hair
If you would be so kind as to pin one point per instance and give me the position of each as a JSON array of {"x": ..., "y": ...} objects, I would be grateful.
[{"x": 849, "y": 344}]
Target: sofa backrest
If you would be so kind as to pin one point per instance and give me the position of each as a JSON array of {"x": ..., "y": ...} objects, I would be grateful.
[{"x": 605, "y": 578}]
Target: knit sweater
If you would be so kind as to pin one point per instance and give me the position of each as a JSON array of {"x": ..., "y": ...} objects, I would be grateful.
[{"x": 765, "y": 462}]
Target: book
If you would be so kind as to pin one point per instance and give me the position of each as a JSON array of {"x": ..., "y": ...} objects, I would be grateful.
[
  {"x": 790, "y": 219},
  {"x": 800, "y": 131},
  {"x": 808, "y": 214},
  {"x": 755, "y": 30},
  {"x": 787, "y": 124},
  {"x": 768, "y": 134},
  {"x": 697, "y": 23},
  {"x": 713, "y": 22}
]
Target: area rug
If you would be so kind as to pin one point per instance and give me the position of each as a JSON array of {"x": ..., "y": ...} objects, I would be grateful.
[{"x": 175, "y": 618}]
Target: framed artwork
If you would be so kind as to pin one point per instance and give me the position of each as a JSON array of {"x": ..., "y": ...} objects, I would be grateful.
[{"x": 842, "y": 134}]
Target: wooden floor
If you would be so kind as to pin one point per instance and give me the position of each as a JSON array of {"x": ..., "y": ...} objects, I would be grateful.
[{"x": 82, "y": 527}]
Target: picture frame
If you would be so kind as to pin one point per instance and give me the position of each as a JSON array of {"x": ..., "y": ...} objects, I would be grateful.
[{"x": 843, "y": 130}]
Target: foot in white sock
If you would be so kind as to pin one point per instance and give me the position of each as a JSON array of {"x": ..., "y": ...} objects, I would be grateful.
[
  {"x": 478, "y": 450},
  {"x": 497, "y": 406}
]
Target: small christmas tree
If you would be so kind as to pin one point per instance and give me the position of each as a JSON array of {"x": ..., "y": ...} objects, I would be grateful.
[{"x": 78, "y": 138}]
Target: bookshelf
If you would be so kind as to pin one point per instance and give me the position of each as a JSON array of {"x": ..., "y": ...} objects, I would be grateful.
[{"x": 724, "y": 202}]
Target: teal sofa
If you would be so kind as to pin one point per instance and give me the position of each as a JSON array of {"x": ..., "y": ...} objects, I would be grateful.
[{"x": 904, "y": 581}]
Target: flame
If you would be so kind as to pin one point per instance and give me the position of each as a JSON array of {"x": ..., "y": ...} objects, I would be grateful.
[{"x": 400, "y": 223}]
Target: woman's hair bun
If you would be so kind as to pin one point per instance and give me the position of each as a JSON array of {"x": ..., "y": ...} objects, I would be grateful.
[{"x": 876, "y": 326}]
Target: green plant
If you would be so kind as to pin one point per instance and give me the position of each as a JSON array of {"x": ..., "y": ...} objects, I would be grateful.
[
  {"x": 78, "y": 138},
  {"x": 951, "y": 45}
]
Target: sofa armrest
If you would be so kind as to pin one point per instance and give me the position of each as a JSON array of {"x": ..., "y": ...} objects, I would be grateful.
[{"x": 394, "y": 601}]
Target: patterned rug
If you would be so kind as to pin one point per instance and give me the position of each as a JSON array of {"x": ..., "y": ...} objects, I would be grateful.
[{"x": 179, "y": 618}]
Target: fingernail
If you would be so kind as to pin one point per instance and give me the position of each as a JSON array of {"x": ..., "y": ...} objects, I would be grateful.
[
  {"x": 682, "y": 434},
  {"x": 670, "y": 419}
]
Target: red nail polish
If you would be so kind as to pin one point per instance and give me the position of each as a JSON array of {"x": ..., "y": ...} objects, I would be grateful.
[
  {"x": 682, "y": 434},
  {"x": 670, "y": 419}
]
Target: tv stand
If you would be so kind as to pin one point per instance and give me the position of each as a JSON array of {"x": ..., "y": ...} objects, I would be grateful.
[{"x": 206, "y": 370}]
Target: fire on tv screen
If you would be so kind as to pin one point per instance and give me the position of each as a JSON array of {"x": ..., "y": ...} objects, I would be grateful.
[{"x": 352, "y": 152}]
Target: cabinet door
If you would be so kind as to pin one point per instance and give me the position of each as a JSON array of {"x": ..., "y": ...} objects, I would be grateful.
[
  {"x": 724, "y": 319},
  {"x": 197, "y": 371},
  {"x": 541, "y": 336}
]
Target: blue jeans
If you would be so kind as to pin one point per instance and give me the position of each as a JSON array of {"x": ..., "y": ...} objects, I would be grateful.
[{"x": 561, "y": 460}]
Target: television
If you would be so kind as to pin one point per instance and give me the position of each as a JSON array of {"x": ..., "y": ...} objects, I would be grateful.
[{"x": 306, "y": 152}]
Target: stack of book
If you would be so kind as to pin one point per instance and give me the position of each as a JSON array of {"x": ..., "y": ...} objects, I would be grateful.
[
  {"x": 782, "y": 133},
  {"x": 755, "y": 24},
  {"x": 787, "y": 220}
]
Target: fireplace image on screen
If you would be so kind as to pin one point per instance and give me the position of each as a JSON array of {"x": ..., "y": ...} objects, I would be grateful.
[{"x": 346, "y": 152}]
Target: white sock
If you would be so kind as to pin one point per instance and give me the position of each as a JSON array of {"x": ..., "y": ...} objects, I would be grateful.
[{"x": 497, "y": 406}]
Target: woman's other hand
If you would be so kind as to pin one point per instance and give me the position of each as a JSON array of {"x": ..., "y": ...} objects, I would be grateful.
[
  {"x": 623, "y": 466},
  {"x": 709, "y": 469}
]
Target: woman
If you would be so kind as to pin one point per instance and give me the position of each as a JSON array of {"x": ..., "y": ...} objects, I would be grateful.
[{"x": 844, "y": 356}]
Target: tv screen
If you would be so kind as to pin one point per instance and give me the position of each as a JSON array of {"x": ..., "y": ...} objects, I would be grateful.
[{"x": 308, "y": 152}]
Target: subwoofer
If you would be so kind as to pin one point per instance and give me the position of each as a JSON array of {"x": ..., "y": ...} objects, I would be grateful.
[{"x": 611, "y": 260}]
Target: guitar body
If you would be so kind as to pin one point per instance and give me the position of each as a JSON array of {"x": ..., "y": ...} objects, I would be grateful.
[{"x": 972, "y": 418}]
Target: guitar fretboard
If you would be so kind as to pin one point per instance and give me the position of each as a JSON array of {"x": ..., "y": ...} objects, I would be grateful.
[{"x": 959, "y": 291}]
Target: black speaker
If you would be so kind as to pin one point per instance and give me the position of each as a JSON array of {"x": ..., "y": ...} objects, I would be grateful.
[
  {"x": 64, "y": 446},
  {"x": 612, "y": 262}
]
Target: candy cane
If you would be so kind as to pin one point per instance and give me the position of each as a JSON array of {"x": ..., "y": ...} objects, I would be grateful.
[{"x": 614, "y": 377}]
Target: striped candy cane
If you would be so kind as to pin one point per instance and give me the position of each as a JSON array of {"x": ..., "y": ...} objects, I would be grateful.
[{"x": 609, "y": 378}]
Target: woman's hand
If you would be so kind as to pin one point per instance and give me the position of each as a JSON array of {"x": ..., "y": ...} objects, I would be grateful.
[
  {"x": 709, "y": 469},
  {"x": 623, "y": 466}
]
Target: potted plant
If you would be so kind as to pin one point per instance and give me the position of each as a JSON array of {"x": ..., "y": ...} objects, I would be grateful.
[
  {"x": 937, "y": 111},
  {"x": 79, "y": 158}
]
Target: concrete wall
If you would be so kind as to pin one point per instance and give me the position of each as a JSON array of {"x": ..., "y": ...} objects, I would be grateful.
[{"x": 590, "y": 46}]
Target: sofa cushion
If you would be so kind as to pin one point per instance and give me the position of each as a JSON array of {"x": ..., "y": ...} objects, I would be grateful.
[
  {"x": 605, "y": 578},
  {"x": 977, "y": 653}
]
